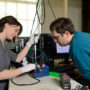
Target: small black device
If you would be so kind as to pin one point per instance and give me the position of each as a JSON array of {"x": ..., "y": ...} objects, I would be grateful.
[
  {"x": 81, "y": 87},
  {"x": 65, "y": 81}
]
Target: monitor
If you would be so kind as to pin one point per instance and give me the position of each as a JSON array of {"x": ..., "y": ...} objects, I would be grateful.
[{"x": 62, "y": 50}]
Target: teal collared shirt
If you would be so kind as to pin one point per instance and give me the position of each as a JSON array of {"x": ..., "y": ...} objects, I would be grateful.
[{"x": 80, "y": 53}]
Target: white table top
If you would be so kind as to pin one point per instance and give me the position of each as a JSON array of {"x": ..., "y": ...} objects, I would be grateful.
[{"x": 46, "y": 83}]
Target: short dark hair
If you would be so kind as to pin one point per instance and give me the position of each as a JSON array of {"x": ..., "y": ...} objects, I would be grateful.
[
  {"x": 10, "y": 20},
  {"x": 61, "y": 25}
]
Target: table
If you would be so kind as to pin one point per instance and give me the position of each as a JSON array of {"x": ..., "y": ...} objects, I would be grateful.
[{"x": 46, "y": 83}]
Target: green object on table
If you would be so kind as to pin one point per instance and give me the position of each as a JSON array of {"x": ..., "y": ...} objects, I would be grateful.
[{"x": 55, "y": 74}]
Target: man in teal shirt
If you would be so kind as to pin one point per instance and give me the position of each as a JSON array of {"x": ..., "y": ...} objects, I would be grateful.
[
  {"x": 80, "y": 53},
  {"x": 64, "y": 33}
]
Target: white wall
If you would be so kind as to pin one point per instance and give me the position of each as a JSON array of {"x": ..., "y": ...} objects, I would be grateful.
[
  {"x": 58, "y": 8},
  {"x": 75, "y": 13},
  {"x": 63, "y": 8}
]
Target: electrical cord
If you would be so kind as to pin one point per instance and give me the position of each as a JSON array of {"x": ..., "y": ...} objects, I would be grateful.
[
  {"x": 39, "y": 19},
  {"x": 42, "y": 53},
  {"x": 26, "y": 84},
  {"x": 42, "y": 10},
  {"x": 33, "y": 21},
  {"x": 36, "y": 14},
  {"x": 32, "y": 56},
  {"x": 44, "y": 15},
  {"x": 51, "y": 9}
]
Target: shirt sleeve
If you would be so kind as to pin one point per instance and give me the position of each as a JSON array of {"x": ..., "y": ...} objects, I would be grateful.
[
  {"x": 1, "y": 61},
  {"x": 12, "y": 55}
]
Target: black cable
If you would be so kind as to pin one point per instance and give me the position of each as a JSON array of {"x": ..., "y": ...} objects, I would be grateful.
[
  {"x": 26, "y": 84},
  {"x": 51, "y": 9}
]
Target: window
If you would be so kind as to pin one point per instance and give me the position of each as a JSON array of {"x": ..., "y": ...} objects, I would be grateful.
[{"x": 23, "y": 10}]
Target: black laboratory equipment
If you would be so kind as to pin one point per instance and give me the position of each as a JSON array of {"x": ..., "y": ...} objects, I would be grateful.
[
  {"x": 65, "y": 81},
  {"x": 18, "y": 46},
  {"x": 46, "y": 46}
]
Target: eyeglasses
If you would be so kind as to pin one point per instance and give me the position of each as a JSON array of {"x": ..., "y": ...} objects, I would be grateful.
[
  {"x": 12, "y": 25},
  {"x": 16, "y": 30}
]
